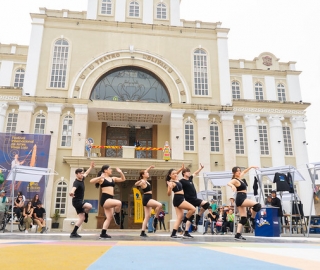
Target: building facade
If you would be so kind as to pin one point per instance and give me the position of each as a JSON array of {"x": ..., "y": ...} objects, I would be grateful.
[{"x": 127, "y": 70}]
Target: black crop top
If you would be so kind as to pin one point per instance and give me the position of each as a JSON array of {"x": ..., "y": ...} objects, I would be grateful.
[
  {"x": 106, "y": 183},
  {"x": 242, "y": 186},
  {"x": 147, "y": 189},
  {"x": 178, "y": 187}
]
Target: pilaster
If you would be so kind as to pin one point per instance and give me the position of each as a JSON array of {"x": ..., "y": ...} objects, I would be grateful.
[
  {"x": 80, "y": 128},
  {"x": 276, "y": 140},
  {"x": 26, "y": 110},
  {"x": 3, "y": 114},
  {"x": 177, "y": 134}
]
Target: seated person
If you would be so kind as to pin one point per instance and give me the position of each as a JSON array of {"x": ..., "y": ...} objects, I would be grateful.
[
  {"x": 35, "y": 200},
  {"x": 27, "y": 216},
  {"x": 211, "y": 220},
  {"x": 221, "y": 217},
  {"x": 39, "y": 217},
  {"x": 18, "y": 207},
  {"x": 229, "y": 221}
]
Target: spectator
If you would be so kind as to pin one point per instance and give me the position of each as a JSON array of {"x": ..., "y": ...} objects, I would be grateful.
[
  {"x": 213, "y": 205},
  {"x": 150, "y": 222},
  {"x": 161, "y": 219},
  {"x": 229, "y": 221},
  {"x": 18, "y": 207},
  {"x": 137, "y": 144},
  {"x": 20, "y": 194},
  {"x": 39, "y": 217},
  {"x": 35, "y": 200},
  {"x": 3, "y": 201},
  {"x": 220, "y": 220},
  {"x": 268, "y": 200},
  {"x": 276, "y": 202},
  {"x": 211, "y": 220},
  {"x": 27, "y": 216},
  {"x": 231, "y": 202}
]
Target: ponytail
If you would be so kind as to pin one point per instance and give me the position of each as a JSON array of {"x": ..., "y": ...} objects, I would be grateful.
[{"x": 98, "y": 175}]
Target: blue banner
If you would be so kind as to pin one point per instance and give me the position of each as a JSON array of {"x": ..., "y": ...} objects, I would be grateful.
[{"x": 25, "y": 150}]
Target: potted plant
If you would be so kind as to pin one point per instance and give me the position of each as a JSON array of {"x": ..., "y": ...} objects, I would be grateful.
[{"x": 55, "y": 218}]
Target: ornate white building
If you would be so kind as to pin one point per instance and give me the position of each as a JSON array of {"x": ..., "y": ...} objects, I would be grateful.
[{"x": 132, "y": 69}]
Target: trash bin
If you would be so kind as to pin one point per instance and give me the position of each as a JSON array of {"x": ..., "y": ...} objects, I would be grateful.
[{"x": 267, "y": 222}]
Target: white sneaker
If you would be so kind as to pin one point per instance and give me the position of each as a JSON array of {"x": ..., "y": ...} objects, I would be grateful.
[{"x": 26, "y": 231}]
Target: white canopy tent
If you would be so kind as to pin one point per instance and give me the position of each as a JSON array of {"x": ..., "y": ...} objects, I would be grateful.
[
  {"x": 313, "y": 169},
  {"x": 27, "y": 174}
]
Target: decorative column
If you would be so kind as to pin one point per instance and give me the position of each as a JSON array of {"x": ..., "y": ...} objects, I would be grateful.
[
  {"x": 301, "y": 154},
  {"x": 52, "y": 127},
  {"x": 177, "y": 134},
  {"x": 174, "y": 12},
  {"x": 228, "y": 142},
  {"x": 80, "y": 129},
  {"x": 203, "y": 132},
  {"x": 120, "y": 11},
  {"x": 253, "y": 143},
  {"x": 26, "y": 110},
  {"x": 92, "y": 10},
  {"x": 3, "y": 114},
  {"x": 276, "y": 140},
  {"x": 148, "y": 11},
  {"x": 6, "y": 72}
]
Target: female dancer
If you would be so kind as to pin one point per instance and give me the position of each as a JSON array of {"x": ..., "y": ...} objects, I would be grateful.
[
  {"x": 27, "y": 216},
  {"x": 242, "y": 202},
  {"x": 148, "y": 202},
  {"x": 107, "y": 184},
  {"x": 179, "y": 203}
]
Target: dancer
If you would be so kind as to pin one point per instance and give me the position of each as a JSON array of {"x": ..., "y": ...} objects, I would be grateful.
[
  {"x": 148, "y": 202},
  {"x": 190, "y": 193},
  {"x": 77, "y": 194},
  {"x": 179, "y": 203},
  {"x": 107, "y": 184},
  {"x": 240, "y": 186}
]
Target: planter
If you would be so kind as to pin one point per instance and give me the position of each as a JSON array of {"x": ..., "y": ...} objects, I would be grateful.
[{"x": 55, "y": 225}]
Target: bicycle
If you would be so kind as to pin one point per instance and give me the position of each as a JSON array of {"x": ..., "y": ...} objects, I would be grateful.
[{"x": 7, "y": 219}]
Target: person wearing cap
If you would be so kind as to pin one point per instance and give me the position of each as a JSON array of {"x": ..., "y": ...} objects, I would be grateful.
[
  {"x": 39, "y": 217},
  {"x": 276, "y": 202},
  {"x": 3, "y": 201}
]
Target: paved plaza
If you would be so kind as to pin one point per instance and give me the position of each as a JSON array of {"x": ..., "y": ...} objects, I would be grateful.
[{"x": 126, "y": 250}]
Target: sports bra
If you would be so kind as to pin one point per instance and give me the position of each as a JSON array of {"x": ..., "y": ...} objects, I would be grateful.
[
  {"x": 242, "y": 186},
  {"x": 178, "y": 187},
  {"x": 147, "y": 189},
  {"x": 106, "y": 183}
]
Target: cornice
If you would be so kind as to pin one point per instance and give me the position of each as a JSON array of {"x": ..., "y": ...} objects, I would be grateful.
[
  {"x": 273, "y": 104},
  {"x": 263, "y": 72}
]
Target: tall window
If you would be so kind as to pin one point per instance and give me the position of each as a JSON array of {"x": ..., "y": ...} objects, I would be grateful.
[
  {"x": 106, "y": 7},
  {"x": 263, "y": 138},
  {"x": 12, "y": 122},
  {"x": 214, "y": 137},
  {"x": 281, "y": 92},
  {"x": 40, "y": 124},
  {"x": 287, "y": 141},
  {"x": 134, "y": 9},
  {"x": 61, "y": 198},
  {"x": 258, "y": 89},
  {"x": 19, "y": 78},
  {"x": 67, "y": 131},
  {"x": 218, "y": 195},
  {"x": 161, "y": 11},
  {"x": 200, "y": 72},
  {"x": 59, "y": 64},
  {"x": 189, "y": 136},
  {"x": 235, "y": 90},
  {"x": 238, "y": 132}
]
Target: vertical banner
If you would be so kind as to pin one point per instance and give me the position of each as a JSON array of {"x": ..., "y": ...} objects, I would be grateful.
[
  {"x": 138, "y": 207},
  {"x": 25, "y": 150}
]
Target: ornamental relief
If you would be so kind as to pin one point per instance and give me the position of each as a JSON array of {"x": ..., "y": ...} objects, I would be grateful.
[{"x": 264, "y": 110}]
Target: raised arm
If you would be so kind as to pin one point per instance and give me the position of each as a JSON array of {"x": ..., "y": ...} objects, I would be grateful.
[
  {"x": 121, "y": 178},
  {"x": 247, "y": 170},
  {"x": 197, "y": 171},
  {"x": 151, "y": 167},
  {"x": 97, "y": 179},
  {"x": 90, "y": 168},
  {"x": 179, "y": 171}
]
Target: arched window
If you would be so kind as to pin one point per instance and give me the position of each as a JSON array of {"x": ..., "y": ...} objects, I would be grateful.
[
  {"x": 59, "y": 64},
  {"x": 214, "y": 137},
  {"x": 40, "y": 124},
  {"x": 161, "y": 11},
  {"x": 200, "y": 67},
  {"x": 235, "y": 90},
  {"x": 134, "y": 9},
  {"x": 189, "y": 136},
  {"x": 12, "y": 122},
  {"x": 130, "y": 84},
  {"x": 66, "y": 136},
  {"x": 258, "y": 89},
  {"x": 281, "y": 92},
  {"x": 61, "y": 198},
  {"x": 106, "y": 7},
  {"x": 19, "y": 78}
]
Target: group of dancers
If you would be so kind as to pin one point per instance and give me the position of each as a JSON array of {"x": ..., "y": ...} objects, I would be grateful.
[{"x": 184, "y": 199}]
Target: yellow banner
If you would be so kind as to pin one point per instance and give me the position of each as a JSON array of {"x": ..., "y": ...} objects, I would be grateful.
[{"x": 138, "y": 207}]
